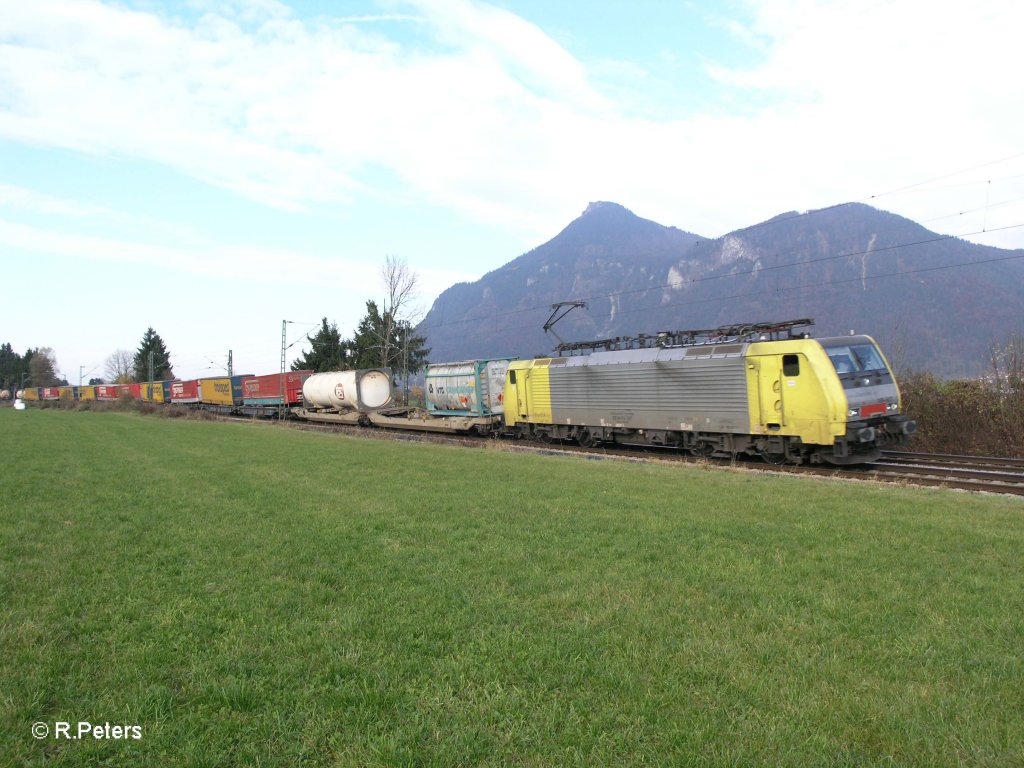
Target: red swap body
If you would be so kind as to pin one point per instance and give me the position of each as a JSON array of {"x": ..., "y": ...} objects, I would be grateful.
[
  {"x": 266, "y": 390},
  {"x": 185, "y": 391}
]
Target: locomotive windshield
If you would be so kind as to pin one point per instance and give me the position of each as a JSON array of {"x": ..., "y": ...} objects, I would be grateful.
[{"x": 855, "y": 358}]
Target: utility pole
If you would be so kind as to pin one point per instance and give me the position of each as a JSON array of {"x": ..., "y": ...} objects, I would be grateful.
[
  {"x": 231, "y": 370},
  {"x": 151, "y": 353},
  {"x": 87, "y": 373},
  {"x": 284, "y": 347}
]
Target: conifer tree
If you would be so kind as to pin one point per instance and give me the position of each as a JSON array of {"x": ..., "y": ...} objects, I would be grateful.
[
  {"x": 329, "y": 351},
  {"x": 161, "y": 358}
]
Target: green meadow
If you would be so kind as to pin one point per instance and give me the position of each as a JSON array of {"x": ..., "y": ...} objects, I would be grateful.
[{"x": 250, "y": 595}]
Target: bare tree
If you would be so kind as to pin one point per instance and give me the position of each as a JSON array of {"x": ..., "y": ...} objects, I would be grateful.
[
  {"x": 43, "y": 367},
  {"x": 120, "y": 367},
  {"x": 400, "y": 284}
]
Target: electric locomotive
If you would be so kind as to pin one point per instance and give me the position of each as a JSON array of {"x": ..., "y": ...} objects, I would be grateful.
[{"x": 721, "y": 392}]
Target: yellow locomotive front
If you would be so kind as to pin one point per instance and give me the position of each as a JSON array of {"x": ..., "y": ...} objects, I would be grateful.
[
  {"x": 874, "y": 408},
  {"x": 825, "y": 400}
]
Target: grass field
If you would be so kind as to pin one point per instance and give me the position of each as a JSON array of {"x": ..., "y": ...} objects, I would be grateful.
[{"x": 256, "y": 596}]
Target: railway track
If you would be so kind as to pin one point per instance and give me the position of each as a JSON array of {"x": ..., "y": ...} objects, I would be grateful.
[
  {"x": 968, "y": 473},
  {"x": 990, "y": 474},
  {"x": 996, "y": 463},
  {"x": 986, "y": 474}
]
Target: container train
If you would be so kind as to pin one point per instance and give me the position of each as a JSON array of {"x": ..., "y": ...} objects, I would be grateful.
[{"x": 743, "y": 390}]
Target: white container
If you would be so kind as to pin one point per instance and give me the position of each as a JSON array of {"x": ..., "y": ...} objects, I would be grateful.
[
  {"x": 362, "y": 390},
  {"x": 471, "y": 387}
]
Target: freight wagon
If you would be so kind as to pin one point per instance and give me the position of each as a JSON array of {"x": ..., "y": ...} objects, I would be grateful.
[
  {"x": 221, "y": 391},
  {"x": 184, "y": 392},
  {"x": 463, "y": 397},
  {"x": 262, "y": 395},
  {"x": 345, "y": 397},
  {"x": 152, "y": 392}
]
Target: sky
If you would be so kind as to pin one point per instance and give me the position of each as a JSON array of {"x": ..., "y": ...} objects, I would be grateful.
[{"x": 212, "y": 168}]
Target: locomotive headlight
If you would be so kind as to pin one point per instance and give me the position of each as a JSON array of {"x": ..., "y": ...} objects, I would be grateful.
[
  {"x": 853, "y": 412},
  {"x": 893, "y": 407}
]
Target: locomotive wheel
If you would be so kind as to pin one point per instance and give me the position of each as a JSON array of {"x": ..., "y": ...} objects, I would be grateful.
[
  {"x": 774, "y": 458},
  {"x": 586, "y": 439},
  {"x": 702, "y": 450}
]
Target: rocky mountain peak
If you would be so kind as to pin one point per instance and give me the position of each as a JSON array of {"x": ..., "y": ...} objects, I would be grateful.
[{"x": 848, "y": 266}]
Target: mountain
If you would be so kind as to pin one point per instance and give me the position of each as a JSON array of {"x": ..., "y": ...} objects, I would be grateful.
[{"x": 851, "y": 267}]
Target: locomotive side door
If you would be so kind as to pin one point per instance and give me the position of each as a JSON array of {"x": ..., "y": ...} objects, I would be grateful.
[
  {"x": 518, "y": 386},
  {"x": 770, "y": 392}
]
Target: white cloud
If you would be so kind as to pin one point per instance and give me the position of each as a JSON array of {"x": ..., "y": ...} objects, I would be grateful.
[
  {"x": 24, "y": 199},
  {"x": 493, "y": 118},
  {"x": 239, "y": 263}
]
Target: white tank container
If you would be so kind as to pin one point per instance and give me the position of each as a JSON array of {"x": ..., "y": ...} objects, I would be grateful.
[
  {"x": 362, "y": 390},
  {"x": 471, "y": 387}
]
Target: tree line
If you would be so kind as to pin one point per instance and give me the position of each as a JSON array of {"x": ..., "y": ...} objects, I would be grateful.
[
  {"x": 24, "y": 370},
  {"x": 980, "y": 416},
  {"x": 384, "y": 337},
  {"x": 38, "y": 367}
]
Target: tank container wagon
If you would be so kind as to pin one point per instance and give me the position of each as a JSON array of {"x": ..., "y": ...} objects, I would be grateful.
[
  {"x": 720, "y": 392},
  {"x": 466, "y": 397},
  {"x": 345, "y": 397}
]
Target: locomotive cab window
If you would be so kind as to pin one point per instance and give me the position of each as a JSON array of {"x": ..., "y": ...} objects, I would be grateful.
[
  {"x": 791, "y": 365},
  {"x": 511, "y": 377},
  {"x": 855, "y": 358}
]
